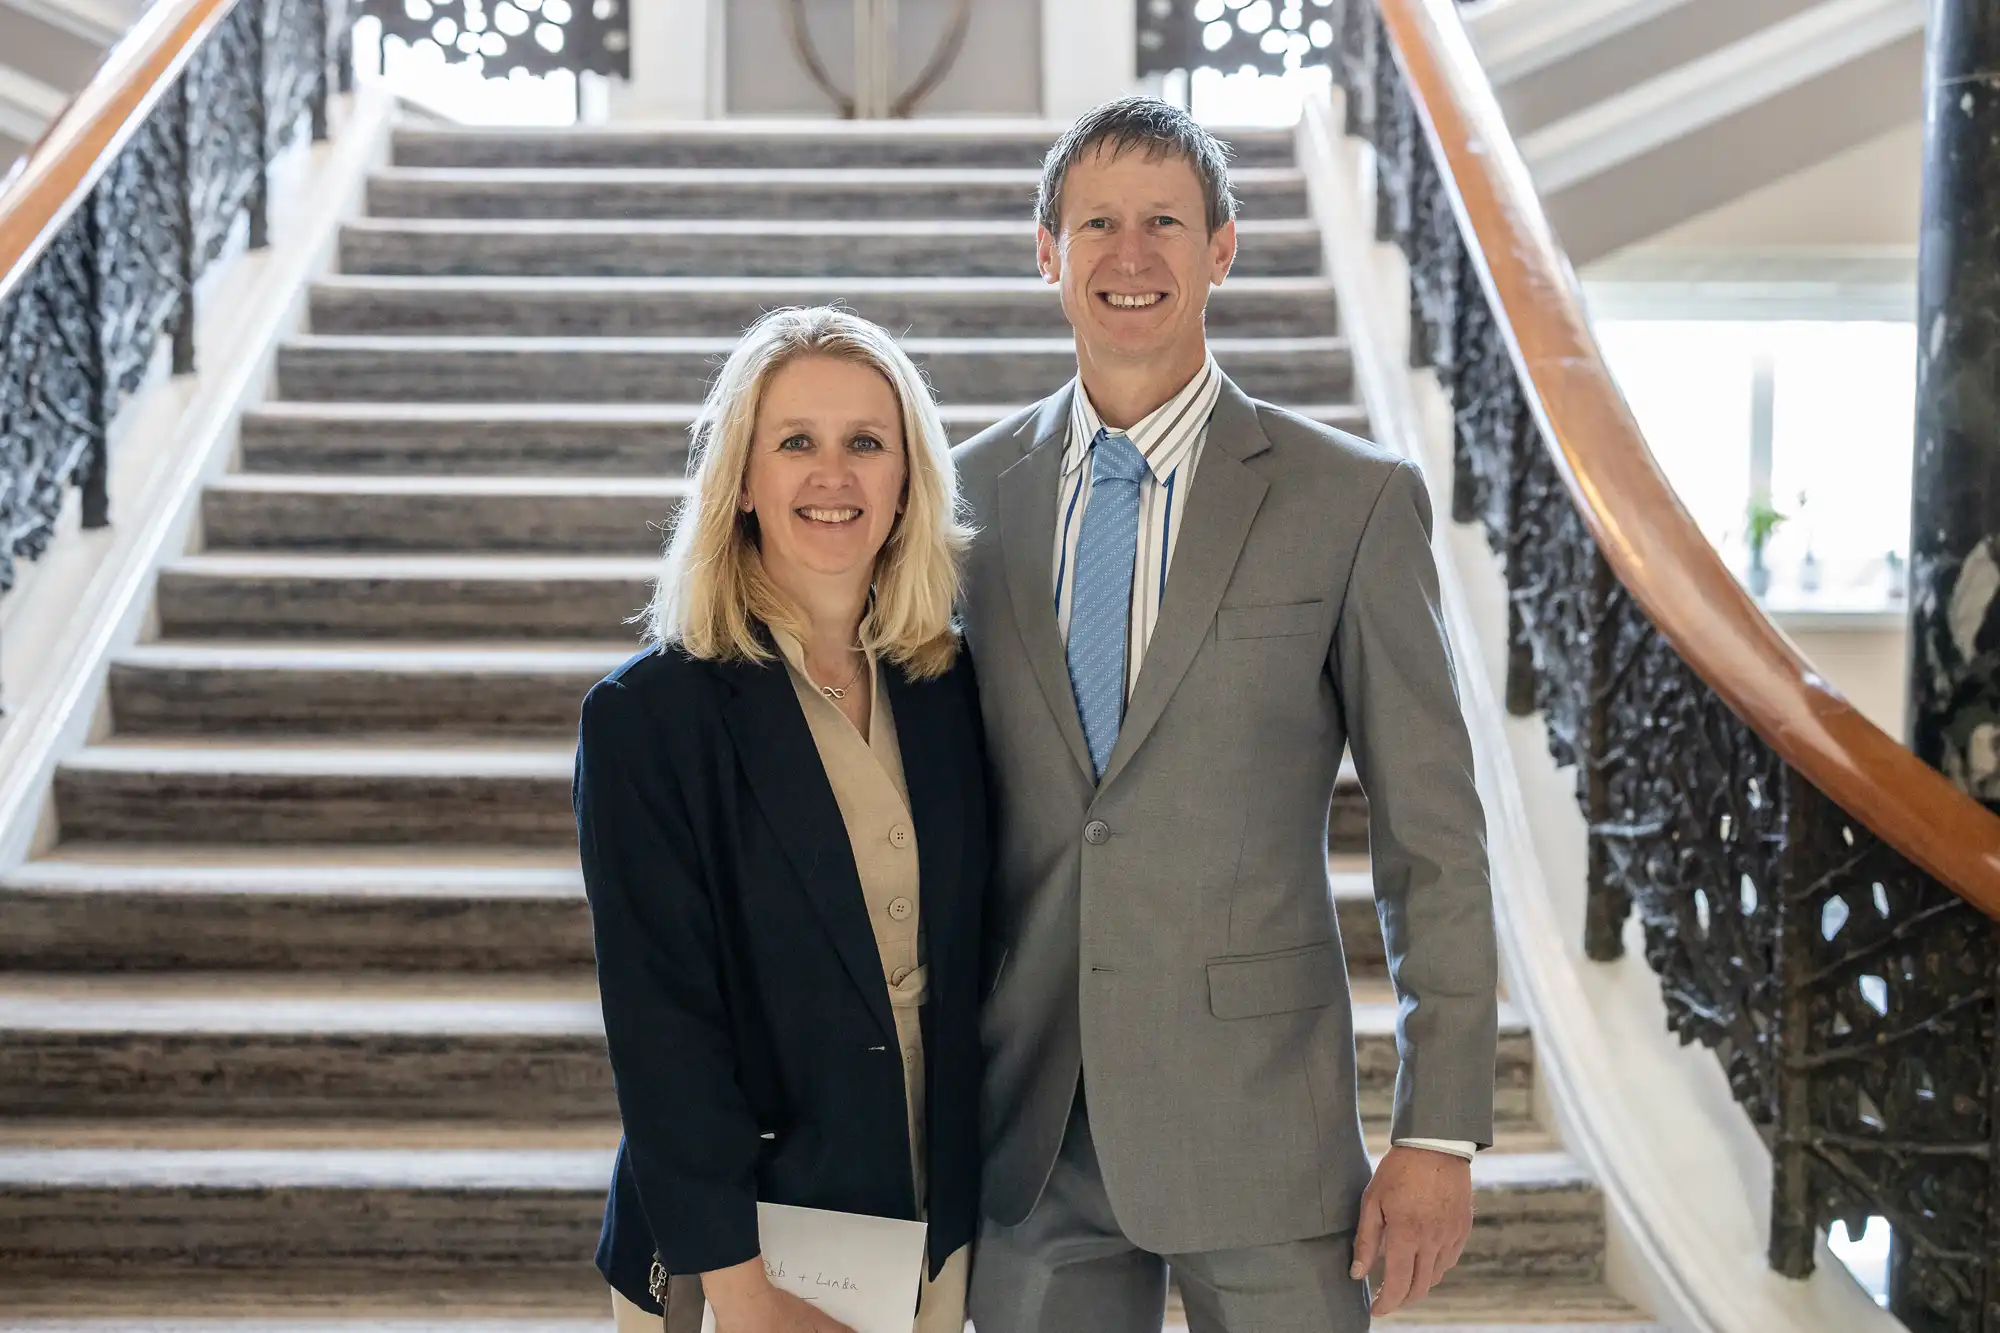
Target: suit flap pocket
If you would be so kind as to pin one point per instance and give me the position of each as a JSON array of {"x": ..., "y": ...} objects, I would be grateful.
[
  {"x": 1267, "y": 622},
  {"x": 1274, "y": 983}
]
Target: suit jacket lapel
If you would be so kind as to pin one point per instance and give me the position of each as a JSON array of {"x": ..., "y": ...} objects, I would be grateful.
[
  {"x": 783, "y": 767},
  {"x": 1028, "y": 498},
  {"x": 937, "y": 802},
  {"x": 1224, "y": 501}
]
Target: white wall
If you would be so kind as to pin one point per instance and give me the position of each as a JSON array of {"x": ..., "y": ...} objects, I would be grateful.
[
  {"x": 1865, "y": 656},
  {"x": 1090, "y": 54},
  {"x": 676, "y": 62},
  {"x": 1868, "y": 196},
  {"x": 998, "y": 73}
]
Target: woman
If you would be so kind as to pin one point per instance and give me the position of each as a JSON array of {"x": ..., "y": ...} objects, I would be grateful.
[{"x": 781, "y": 810}]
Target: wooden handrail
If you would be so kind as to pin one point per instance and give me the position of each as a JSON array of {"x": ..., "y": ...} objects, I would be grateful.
[
  {"x": 1632, "y": 511},
  {"x": 83, "y": 141}
]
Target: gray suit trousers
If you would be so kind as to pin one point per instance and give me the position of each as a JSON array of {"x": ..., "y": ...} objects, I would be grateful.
[{"x": 1069, "y": 1268}]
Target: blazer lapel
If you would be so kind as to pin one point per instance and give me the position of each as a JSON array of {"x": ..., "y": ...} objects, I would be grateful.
[
  {"x": 1221, "y": 506},
  {"x": 924, "y": 732},
  {"x": 1028, "y": 498},
  {"x": 783, "y": 767}
]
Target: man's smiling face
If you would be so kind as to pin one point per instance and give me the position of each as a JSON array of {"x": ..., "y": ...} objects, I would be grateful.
[{"x": 1135, "y": 259}]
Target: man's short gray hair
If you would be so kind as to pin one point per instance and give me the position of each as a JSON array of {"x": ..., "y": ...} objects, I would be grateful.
[{"x": 1146, "y": 124}]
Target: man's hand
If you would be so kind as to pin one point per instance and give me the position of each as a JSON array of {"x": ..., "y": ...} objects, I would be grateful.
[
  {"x": 1415, "y": 1216},
  {"x": 746, "y": 1302}
]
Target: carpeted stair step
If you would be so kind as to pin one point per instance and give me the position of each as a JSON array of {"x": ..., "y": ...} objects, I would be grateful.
[
  {"x": 584, "y": 515},
  {"x": 804, "y": 145},
  {"x": 106, "y": 908},
  {"x": 394, "y": 1208},
  {"x": 760, "y": 248},
  {"x": 419, "y": 790},
  {"x": 678, "y": 370},
  {"x": 189, "y": 687},
  {"x": 292, "y": 1300},
  {"x": 405, "y": 788},
  {"x": 724, "y": 307},
  {"x": 524, "y": 439},
  {"x": 960, "y": 193},
  {"x": 467, "y": 439},
  {"x": 510, "y": 1050},
  {"x": 240, "y": 1201},
  {"x": 298, "y": 909},
  {"x": 267, "y": 595}
]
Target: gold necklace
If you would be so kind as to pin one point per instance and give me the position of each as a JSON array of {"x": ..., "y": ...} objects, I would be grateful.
[{"x": 841, "y": 693}]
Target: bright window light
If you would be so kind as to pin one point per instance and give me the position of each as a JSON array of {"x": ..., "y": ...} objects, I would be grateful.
[
  {"x": 1866, "y": 1256},
  {"x": 461, "y": 91},
  {"x": 1842, "y": 421}
]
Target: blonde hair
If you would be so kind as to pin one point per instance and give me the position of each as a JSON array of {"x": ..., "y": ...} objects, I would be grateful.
[{"x": 713, "y": 591}]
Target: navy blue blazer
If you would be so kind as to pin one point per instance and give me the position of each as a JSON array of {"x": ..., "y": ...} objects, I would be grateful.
[{"x": 751, "y": 1040}]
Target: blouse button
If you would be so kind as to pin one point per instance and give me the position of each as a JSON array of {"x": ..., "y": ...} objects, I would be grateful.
[
  {"x": 900, "y": 909},
  {"x": 899, "y": 976},
  {"x": 899, "y": 836}
]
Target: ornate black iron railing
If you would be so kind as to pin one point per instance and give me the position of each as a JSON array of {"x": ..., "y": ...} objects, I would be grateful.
[
  {"x": 81, "y": 320},
  {"x": 1850, "y": 996},
  {"x": 536, "y": 37}
]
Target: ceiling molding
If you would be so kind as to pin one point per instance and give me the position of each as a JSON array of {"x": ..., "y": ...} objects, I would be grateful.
[
  {"x": 1717, "y": 86},
  {"x": 1515, "y": 38},
  {"x": 1755, "y": 283},
  {"x": 27, "y": 105},
  {"x": 92, "y": 20}
]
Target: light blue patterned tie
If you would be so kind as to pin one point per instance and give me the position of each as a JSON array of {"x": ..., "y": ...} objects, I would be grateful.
[{"x": 1101, "y": 596}]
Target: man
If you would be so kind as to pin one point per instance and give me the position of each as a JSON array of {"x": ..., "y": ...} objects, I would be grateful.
[{"x": 1183, "y": 605}]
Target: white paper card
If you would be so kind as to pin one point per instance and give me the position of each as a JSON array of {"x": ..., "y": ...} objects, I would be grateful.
[{"x": 863, "y": 1271}]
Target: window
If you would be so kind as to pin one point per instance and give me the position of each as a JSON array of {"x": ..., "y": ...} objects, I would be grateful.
[{"x": 1830, "y": 447}]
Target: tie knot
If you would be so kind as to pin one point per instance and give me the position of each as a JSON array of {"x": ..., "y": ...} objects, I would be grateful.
[{"x": 1113, "y": 457}]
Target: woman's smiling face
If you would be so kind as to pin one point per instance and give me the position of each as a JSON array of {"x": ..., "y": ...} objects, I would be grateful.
[{"x": 827, "y": 469}]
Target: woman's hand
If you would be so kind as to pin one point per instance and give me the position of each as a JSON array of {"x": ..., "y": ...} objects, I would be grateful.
[{"x": 745, "y": 1302}]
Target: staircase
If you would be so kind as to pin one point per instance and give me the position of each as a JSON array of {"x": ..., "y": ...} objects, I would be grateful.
[{"x": 297, "y": 1018}]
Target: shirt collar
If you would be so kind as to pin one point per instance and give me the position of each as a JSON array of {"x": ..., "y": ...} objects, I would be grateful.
[
  {"x": 794, "y": 653},
  {"x": 1164, "y": 437}
]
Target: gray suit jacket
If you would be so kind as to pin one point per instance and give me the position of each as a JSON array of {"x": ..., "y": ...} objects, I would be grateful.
[{"x": 1169, "y": 932}]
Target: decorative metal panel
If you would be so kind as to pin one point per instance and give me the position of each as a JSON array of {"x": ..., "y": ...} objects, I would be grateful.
[
  {"x": 534, "y": 36},
  {"x": 1268, "y": 36}
]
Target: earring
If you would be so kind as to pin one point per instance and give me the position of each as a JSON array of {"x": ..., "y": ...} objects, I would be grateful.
[{"x": 746, "y": 504}]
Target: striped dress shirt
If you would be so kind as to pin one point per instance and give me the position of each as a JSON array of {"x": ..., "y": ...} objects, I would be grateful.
[{"x": 1170, "y": 438}]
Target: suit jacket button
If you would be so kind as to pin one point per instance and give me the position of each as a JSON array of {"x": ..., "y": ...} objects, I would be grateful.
[{"x": 1097, "y": 833}]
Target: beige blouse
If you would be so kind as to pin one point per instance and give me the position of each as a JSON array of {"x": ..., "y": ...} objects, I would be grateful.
[{"x": 866, "y": 775}]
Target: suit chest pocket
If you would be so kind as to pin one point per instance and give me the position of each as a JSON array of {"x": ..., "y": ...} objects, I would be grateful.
[{"x": 1269, "y": 622}]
